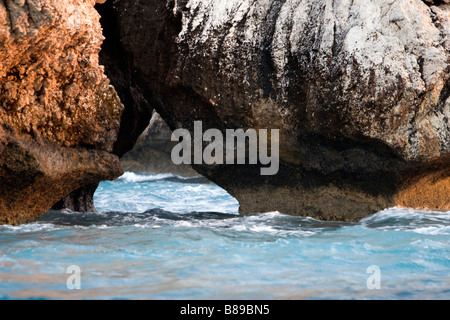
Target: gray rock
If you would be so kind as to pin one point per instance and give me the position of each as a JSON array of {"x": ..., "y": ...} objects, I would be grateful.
[
  {"x": 359, "y": 89},
  {"x": 152, "y": 151}
]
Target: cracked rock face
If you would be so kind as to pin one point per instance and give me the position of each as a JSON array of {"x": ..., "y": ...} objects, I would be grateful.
[
  {"x": 359, "y": 89},
  {"x": 59, "y": 115}
]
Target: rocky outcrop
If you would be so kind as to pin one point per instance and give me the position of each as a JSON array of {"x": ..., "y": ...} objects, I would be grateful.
[
  {"x": 137, "y": 110},
  {"x": 152, "y": 151},
  {"x": 359, "y": 89},
  {"x": 59, "y": 115}
]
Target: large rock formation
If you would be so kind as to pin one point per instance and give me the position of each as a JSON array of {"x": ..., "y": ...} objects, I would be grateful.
[
  {"x": 59, "y": 115},
  {"x": 359, "y": 89},
  {"x": 135, "y": 116}
]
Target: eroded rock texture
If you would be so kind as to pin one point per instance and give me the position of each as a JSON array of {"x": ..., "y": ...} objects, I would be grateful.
[
  {"x": 360, "y": 90},
  {"x": 59, "y": 115}
]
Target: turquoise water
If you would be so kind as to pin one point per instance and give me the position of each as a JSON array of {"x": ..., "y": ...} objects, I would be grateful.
[{"x": 167, "y": 237}]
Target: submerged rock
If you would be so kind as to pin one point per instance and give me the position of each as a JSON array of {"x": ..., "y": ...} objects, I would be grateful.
[
  {"x": 359, "y": 89},
  {"x": 59, "y": 115}
]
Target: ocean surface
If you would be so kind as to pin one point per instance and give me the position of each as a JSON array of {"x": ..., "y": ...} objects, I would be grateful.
[{"x": 168, "y": 237}]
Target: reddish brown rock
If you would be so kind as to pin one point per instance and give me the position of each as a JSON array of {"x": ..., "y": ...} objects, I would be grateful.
[{"x": 59, "y": 115}]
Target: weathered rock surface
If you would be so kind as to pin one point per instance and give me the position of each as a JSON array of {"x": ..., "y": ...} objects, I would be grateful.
[
  {"x": 59, "y": 115},
  {"x": 360, "y": 91},
  {"x": 135, "y": 116}
]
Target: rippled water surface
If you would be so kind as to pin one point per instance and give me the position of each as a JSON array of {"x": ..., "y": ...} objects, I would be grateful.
[{"x": 167, "y": 237}]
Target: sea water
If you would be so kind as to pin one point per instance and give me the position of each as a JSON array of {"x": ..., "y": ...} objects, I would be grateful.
[{"x": 168, "y": 237}]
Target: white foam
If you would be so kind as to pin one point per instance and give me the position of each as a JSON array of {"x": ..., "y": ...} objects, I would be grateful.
[
  {"x": 134, "y": 177},
  {"x": 407, "y": 213},
  {"x": 262, "y": 228},
  {"x": 30, "y": 228},
  {"x": 433, "y": 230}
]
